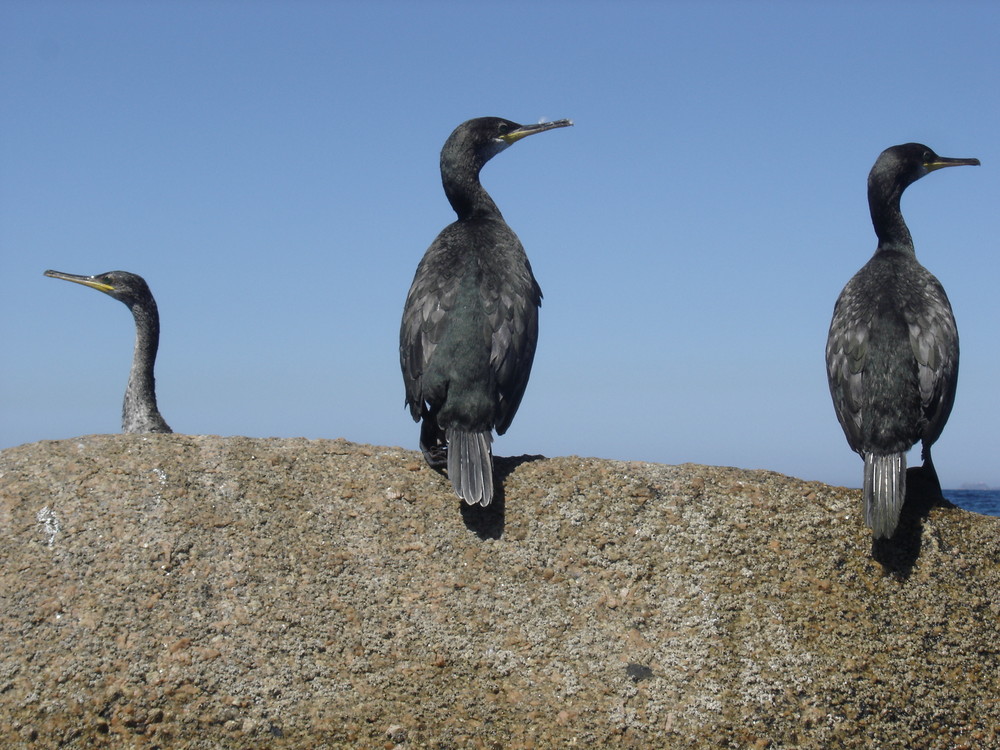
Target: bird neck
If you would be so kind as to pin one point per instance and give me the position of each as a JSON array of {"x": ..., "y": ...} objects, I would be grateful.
[
  {"x": 470, "y": 199},
  {"x": 465, "y": 192},
  {"x": 887, "y": 218},
  {"x": 139, "y": 412}
]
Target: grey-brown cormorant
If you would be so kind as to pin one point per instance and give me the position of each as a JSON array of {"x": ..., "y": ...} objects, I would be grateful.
[
  {"x": 470, "y": 324},
  {"x": 892, "y": 352},
  {"x": 139, "y": 412}
]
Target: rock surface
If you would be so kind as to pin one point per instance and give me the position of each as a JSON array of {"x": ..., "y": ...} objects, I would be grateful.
[{"x": 199, "y": 592}]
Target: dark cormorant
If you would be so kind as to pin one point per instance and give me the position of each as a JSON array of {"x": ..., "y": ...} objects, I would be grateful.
[
  {"x": 892, "y": 352},
  {"x": 470, "y": 323},
  {"x": 139, "y": 412}
]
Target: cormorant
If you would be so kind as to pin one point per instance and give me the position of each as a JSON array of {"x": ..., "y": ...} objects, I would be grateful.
[
  {"x": 470, "y": 324},
  {"x": 139, "y": 412},
  {"x": 892, "y": 351}
]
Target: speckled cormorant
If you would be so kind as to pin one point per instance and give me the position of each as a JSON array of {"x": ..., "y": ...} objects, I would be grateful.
[
  {"x": 139, "y": 412},
  {"x": 892, "y": 352},
  {"x": 470, "y": 324}
]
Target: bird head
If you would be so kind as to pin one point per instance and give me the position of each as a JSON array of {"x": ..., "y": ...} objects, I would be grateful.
[
  {"x": 480, "y": 139},
  {"x": 123, "y": 286},
  {"x": 903, "y": 165}
]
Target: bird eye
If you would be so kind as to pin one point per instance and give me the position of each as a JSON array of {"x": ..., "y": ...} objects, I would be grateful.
[{"x": 502, "y": 129}]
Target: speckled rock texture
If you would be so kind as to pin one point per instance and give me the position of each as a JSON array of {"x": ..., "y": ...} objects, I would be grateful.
[{"x": 170, "y": 591}]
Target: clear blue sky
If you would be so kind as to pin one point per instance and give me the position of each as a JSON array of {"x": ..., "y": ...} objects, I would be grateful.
[{"x": 271, "y": 169}]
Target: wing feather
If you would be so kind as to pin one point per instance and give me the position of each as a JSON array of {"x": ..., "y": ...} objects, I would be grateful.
[
  {"x": 512, "y": 314},
  {"x": 934, "y": 341},
  {"x": 846, "y": 358},
  {"x": 432, "y": 295}
]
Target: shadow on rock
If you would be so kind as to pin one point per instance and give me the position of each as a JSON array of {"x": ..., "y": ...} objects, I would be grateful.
[
  {"x": 488, "y": 522},
  {"x": 899, "y": 553}
]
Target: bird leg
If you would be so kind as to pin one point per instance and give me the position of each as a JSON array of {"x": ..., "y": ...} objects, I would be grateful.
[
  {"x": 930, "y": 471},
  {"x": 433, "y": 444}
]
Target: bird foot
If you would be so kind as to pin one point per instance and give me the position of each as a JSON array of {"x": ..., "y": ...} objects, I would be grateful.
[{"x": 435, "y": 456}]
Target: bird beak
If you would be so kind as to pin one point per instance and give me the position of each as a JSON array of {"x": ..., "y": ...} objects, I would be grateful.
[
  {"x": 85, "y": 280},
  {"x": 943, "y": 161},
  {"x": 526, "y": 130}
]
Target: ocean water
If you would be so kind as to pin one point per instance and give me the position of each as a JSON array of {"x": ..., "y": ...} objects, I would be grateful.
[{"x": 979, "y": 501}]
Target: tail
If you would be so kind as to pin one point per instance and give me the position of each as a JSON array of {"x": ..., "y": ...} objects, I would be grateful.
[
  {"x": 885, "y": 488},
  {"x": 470, "y": 465}
]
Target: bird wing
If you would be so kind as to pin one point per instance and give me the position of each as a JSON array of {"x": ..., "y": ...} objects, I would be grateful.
[
  {"x": 432, "y": 295},
  {"x": 512, "y": 314},
  {"x": 934, "y": 340},
  {"x": 846, "y": 357}
]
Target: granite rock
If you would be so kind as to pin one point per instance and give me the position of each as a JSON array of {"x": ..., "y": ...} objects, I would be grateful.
[{"x": 171, "y": 591}]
